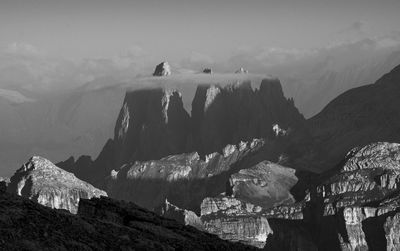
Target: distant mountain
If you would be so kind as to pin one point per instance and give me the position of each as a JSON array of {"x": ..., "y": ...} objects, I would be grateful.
[
  {"x": 357, "y": 117},
  {"x": 314, "y": 82},
  {"x": 153, "y": 122}
]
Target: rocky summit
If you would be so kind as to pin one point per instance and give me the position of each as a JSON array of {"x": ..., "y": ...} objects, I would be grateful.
[
  {"x": 163, "y": 69},
  {"x": 43, "y": 182},
  {"x": 153, "y": 124},
  {"x": 100, "y": 224}
]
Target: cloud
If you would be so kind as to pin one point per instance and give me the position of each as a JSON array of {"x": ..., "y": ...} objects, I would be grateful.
[{"x": 25, "y": 67}]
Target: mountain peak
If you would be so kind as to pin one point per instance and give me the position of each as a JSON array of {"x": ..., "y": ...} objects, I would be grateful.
[
  {"x": 42, "y": 181},
  {"x": 163, "y": 69}
]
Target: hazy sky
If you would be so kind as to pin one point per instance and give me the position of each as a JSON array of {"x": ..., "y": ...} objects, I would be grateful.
[{"x": 173, "y": 29}]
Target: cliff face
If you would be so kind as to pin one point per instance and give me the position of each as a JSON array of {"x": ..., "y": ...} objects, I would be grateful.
[
  {"x": 183, "y": 179},
  {"x": 43, "y": 182},
  {"x": 229, "y": 114},
  {"x": 101, "y": 224},
  {"x": 153, "y": 124},
  {"x": 241, "y": 212},
  {"x": 357, "y": 117},
  {"x": 266, "y": 184}
]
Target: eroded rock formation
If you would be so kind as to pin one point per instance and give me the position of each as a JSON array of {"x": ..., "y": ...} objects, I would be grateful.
[
  {"x": 227, "y": 115},
  {"x": 183, "y": 179},
  {"x": 43, "y": 182},
  {"x": 356, "y": 207}
]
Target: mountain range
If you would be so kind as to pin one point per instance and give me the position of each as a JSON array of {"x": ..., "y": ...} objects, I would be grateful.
[{"x": 230, "y": 155}]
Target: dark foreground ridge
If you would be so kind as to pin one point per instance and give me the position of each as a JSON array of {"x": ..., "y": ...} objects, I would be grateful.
[{"x": 101, "y": 224}]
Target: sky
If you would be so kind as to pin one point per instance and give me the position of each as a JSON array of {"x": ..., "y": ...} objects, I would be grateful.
[
  {"x": 175, "y": 29},
  {"x": 47, "y": 45}
]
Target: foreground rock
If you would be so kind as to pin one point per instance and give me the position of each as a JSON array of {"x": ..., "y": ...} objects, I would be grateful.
[
  {"x": 101, "y": 224},
  {"x": 43, "y": 182}
]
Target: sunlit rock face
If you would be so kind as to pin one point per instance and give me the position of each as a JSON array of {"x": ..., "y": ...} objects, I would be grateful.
[
  {"x": 237, "y": 217},
  {"x": 369, "y": 174},
  {"x": 355, "y": 203},
  {"x": 255, "y": 192},
  {"x": 43, "y": 182},
  {"x": 355, "y": 208},
  {"x": 252, "y": 230},
  {"x": 183, "y": 179},
  {"x": 183, "y": 216},
  {"x": 266, "y": 184}
]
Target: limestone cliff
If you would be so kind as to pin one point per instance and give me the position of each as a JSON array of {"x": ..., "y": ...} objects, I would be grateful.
[
  {"x": 183, "y": 179},
  {"x": 355, "y": 207},
  {"x": 43, "y": 182}
]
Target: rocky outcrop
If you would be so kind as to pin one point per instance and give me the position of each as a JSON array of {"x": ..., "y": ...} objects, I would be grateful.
[
  {"x": 266, "y": 184},
  {"x": 241, "y": 70},
  {"x": 251, "y": 230},
  {"x": 43, "y": 182},
  {"x": 207, "y": 70},
  {"x": 163, "y": 69},
  {"x": 229, "y": 114},
  {"x": 182, "y": 216},
  {"x": 236, "y": 217},
  {"x": 153, "y": 124},
  {"x": 101, "y": 224},
  {"x": 349, "y": 210},
  {"x": 358, "y": 117},
  {"x": 183, "y": 179},
  {"x": 355, "y": 208}
]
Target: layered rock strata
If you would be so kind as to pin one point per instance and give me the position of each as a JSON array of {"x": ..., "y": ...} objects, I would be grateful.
[{"x": 43, "y": 182}]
